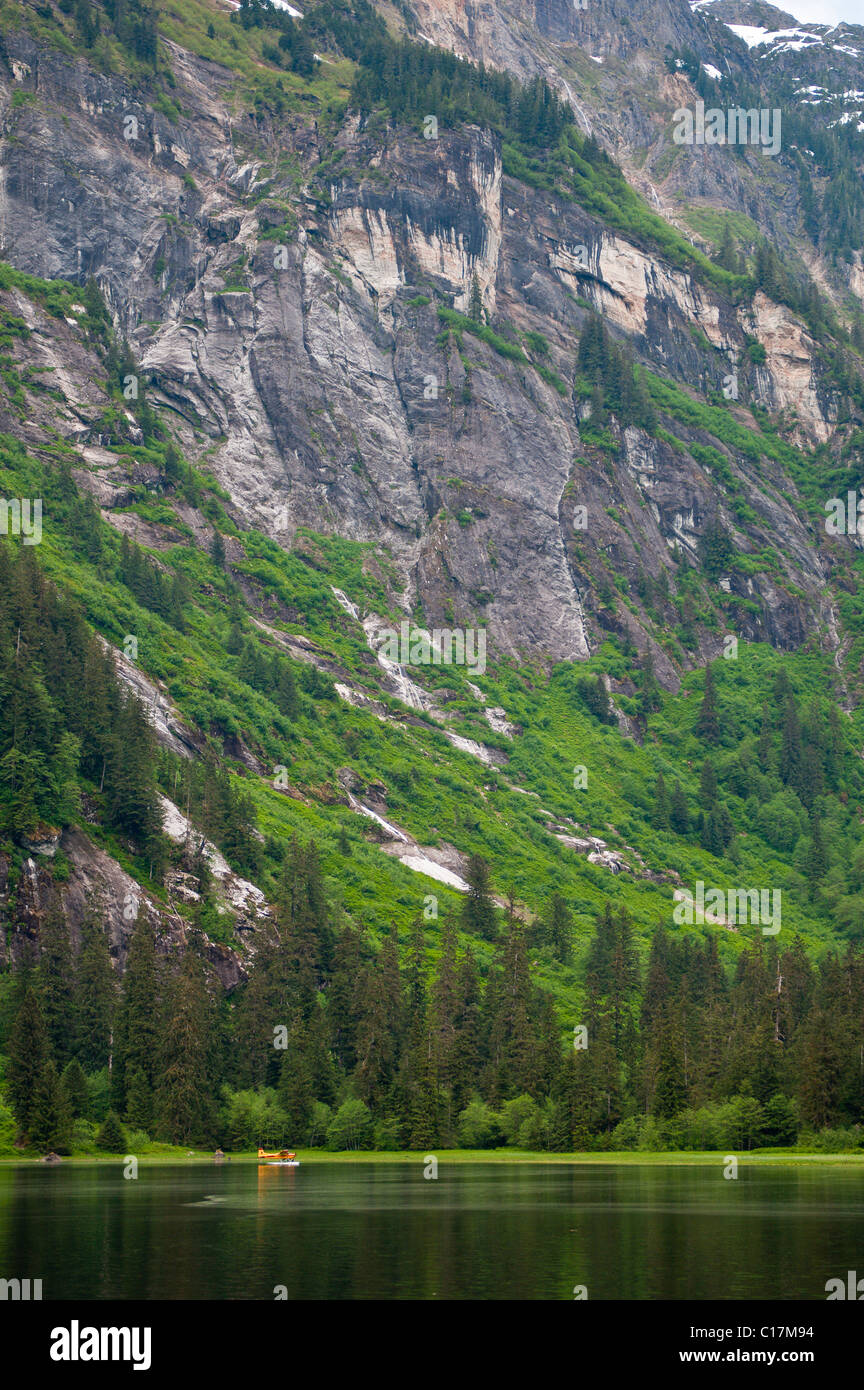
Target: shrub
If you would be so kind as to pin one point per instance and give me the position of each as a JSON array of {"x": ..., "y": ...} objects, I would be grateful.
[
  {"x": 479, "y": 1126},
  {"x": 111, "y": 1137},
  {"x": 351, "y": 1127}
]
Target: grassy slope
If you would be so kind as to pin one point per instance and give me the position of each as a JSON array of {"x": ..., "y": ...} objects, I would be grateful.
[{"x": 477, "y": 811}]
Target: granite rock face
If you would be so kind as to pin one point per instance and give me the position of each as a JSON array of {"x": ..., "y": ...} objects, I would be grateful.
[
  {"x": 284, "y": 327},
  {"x": 97, "y": 882}
]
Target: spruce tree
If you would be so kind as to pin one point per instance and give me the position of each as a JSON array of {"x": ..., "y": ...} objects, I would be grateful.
[
  {"x": 679, "y": 814},
  {"x": 558, "y": 929},
  {"x": 286, "y": 693},
  {"x": 217, "y": 550},
  {"x": 111, "y": 1137},
  {"x": 707, "y": 722},
  {"x": 468, "y": 1024},
  {"x": 817, "y": 857},
  {"x": 415, "y": 969},
  {"x": 55, "y": 982},
  {"x": 49, "y": 1124},
  {"x": 75, "y": 1093},
  {"x": 649, "y": 690},
  {"x": 475, "y": 308},
  {"x": 708, "y": 785},
  {"x": 660, "y": 814},
  {"x": 183, "y": 1099},
  {"x": 28, "y": 1052},
  {"x": 790, "y": 744},
  {"x": 296, "y": 1091},
  {"x": 137, "y": 1020},
  {"x": 95, "y": 996},
  {"x": 479, "y": 918},
  {"x": 139, "y": 1100}
]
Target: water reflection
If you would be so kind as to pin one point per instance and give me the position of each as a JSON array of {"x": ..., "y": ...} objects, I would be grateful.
[{"x": 383, "y": 1231}]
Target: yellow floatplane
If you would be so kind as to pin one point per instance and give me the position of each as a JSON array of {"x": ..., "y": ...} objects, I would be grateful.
[{"x": 284, "y": 1158}]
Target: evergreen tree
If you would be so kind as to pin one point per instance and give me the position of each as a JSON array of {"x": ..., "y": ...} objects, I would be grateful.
[
  {"x": 286, "y": 693},
  {"x": 820, "y": 1071},
  {"x": 49, "y": 1121},
  {"x": 183, "y": 1098},
  {"x": 475, "y": 308},
  {"x": 679, "y": 814},
  {"x": 817, "y": 858},
  {"x": 557, "y": 928},
  {"x": 95, "y": 994},
  {"x": 29, "y": 1053},
  {"x": 790, "y": 744},
  {"x": 707, "y": 722},
  {"x": 379, "y": 1032},
  {"x": 111, "y": 1137},
  {"x": 296, "y": 1088},
  {"x": 708, "y": 785},
  {"x": 75, "y": 1093},
  {"x": 139, "y": 1099},
  {"x": 135, "y": 1047},
  {"x": 217, "y": 550},
  {"x": 727, "y": 256},
  {"x": 479, "y": 918},
  {"x": 415, "y": 970},
  {"x": 55, "y": 982},
  {"x": 660, "y": 815},
  {"x": 649, "y": 690}
]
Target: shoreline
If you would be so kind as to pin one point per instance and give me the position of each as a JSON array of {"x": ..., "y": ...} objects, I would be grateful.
[{"x": 624, "y": 1159}]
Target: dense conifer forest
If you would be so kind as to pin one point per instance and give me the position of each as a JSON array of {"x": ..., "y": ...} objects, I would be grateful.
[{"x": 341, "y": 1040}]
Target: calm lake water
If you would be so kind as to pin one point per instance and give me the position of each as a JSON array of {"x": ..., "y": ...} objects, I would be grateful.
[{"x": 486, "y": 1231}]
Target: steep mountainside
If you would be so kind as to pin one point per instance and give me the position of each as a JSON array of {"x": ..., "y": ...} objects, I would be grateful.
[
  {"x": 312, "y": 326},
  {"x": 308, "y": 385}
]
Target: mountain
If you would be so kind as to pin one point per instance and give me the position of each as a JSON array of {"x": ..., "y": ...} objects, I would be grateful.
[{"x": 323, "y": 331}]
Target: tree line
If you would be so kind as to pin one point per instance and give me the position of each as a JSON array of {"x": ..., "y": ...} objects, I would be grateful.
[
  {"x": 340, "y": 1040},
  {"x": 66, "y": 723}
]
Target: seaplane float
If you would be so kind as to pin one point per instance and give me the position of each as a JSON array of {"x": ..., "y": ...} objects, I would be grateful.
[{"x": 283, "y": 1158}]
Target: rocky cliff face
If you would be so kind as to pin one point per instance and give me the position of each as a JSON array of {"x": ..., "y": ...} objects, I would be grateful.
[
  {"x": 278, "y": 310},
  {"x": 96, "y": 882}
]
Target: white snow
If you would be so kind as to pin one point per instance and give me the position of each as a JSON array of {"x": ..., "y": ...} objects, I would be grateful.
[
  {"x": 713, "y": 72},
  {"x": 277, "y": 5},
  {"x": 426, "y": 866},
  {"x": 749, "y": 33},
  {"x": 754, "y": 37},
  {"x": 416, "y": 859}
]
